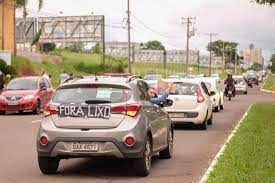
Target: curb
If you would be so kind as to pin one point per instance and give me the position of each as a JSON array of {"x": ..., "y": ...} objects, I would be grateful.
[{"x": 215, "y": 160}]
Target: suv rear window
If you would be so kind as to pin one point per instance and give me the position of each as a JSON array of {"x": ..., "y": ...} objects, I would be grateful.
[
  {"x": 184, "y": 89},
  {"x": 82, "y": 94}
]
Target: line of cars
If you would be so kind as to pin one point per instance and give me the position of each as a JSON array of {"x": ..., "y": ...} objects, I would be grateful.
[{"x": 111, "y": 116}]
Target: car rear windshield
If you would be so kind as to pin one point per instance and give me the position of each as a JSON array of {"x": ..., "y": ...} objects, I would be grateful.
[
  {"x": 238, "y": 80},
  {"x": 92, "y": 94},
  {"x": 23, "y": 84},
  {"x": 184, "y": 89}
]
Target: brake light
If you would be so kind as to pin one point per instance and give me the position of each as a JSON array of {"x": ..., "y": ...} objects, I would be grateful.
[
  {"x": 50, "y": 110},
  {"x": 200, "y": 97},
  {"x": 130, "y": 141},
  {"x": 43, "y": 141},
  {"x": 130, "y": 109}
]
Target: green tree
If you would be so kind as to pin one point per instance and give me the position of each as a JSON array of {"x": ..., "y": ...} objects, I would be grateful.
[
  {"x": 269, "y": 2},
  {"x": 256, "y": 67},
  {"x": 273, "y": 64},
  {"x": 230, "y": 49},
  {"x": 96, "y": 49},
  {"x": 153, "y": 45}
]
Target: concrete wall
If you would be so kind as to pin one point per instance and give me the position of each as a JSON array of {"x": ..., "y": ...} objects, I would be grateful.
[{"x": 9, "y": 13}]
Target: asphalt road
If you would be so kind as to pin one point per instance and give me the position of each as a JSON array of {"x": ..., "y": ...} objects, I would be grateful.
[{"x": 194, "y": 151}]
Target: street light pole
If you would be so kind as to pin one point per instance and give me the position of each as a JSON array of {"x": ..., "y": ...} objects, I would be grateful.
[
  {"x": 210, "y": 52},
  {"x": 129, "y": 37}
]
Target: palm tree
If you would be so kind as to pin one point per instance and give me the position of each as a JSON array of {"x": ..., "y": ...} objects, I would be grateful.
[{"x": 24, "y": 4}]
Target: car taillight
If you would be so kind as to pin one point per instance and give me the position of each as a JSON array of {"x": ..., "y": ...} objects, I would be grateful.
[
  {"x": 200, "y": 97},
  {"x": 130, "y": 141},
  {"x": 50, "y": 110},
  {"x": 130, "y": 109},
  {"x": 43, "y": 141}
]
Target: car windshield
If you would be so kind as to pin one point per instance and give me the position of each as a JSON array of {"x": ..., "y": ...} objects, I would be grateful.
[
  {"x": 92, "y": 94},
  {"x": 184, "y": 89},
  {"x": 152, "y": 77},
  {"x": 23, "y": 84},
  {"x": 238, "y": 80},
  {"x": 209, "y": 86}
]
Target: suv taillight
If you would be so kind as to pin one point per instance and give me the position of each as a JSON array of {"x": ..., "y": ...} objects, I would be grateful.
[
  {"x": 130, "y": 109},
  {"x": 200, "y": 97},
  {"x": 50, "y": 110}
]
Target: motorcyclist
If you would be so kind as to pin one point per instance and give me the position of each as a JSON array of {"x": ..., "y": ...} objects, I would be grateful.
[{"x": 229, "y": 82}]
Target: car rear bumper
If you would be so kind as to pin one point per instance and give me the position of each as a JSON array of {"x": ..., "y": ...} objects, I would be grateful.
[
  {"x": 111, "y": 142},
  {"x": 22, "y": 106},
  {"x": 241, "y": 89},
  {"x": 196, "y": 117}
]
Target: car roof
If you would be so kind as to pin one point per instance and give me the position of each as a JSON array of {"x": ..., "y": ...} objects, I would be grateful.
[
  {"x": 237, "y": 76},
  {"x": 184, "y": 80},
  {"x": 105, "y": 80}
]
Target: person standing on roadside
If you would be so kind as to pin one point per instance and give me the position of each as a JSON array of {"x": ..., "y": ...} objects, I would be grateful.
[{"x": 63, "y": 77}]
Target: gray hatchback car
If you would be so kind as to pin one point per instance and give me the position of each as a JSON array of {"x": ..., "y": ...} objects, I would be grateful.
[{"x": 94, "y": 118}]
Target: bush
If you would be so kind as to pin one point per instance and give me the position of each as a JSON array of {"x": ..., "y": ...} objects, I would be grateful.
[
  {"x": 47, "y": 47},
  {"x": 76, "y": 48},
  {"x": 256, "y": 67},
  {"x": 7, "y": 69}
]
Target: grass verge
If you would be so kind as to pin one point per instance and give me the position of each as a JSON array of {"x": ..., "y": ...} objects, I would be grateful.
[
  {"x": 269, "y": 83},
  {"x": 250, "y": 155}
]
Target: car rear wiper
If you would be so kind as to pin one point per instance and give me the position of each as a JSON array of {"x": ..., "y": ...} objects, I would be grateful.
[{"x": 98, "y": 101}]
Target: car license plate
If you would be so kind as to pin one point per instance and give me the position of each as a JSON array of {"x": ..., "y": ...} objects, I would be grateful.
[
  {"x": 13, "y": 103},
  {"x": 230, "y": 92},
  {"x": 88, "y": 111},
  {"x": 85, "y": 147},
  {"x": 177, "y": 115}
]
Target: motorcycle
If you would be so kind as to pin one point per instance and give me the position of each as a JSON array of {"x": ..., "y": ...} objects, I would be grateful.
[{"x": 229, "y": 92}]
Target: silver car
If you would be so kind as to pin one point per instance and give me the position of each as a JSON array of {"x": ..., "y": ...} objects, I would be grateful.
[
  {"x": 240, "y": 84},
  {"x": 88, "y": 118}
]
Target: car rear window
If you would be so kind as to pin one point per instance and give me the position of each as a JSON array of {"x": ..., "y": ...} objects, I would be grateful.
[
  {"x": 82, "y": 94},
  {"x": 23, "y": 84},
  {"x": 238, "y": 80},
  {"x": 184, "y": 89}
]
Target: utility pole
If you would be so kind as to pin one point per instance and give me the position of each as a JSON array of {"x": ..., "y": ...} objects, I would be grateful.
[
  {"x": 223, "y": 56},
  {"x": 3, "y": 25},
  {"x": 198, "y": 61},
  {"x": 129, "y": 38},
  {"x": 188, "y": 21},
  {"x": 210, "y": 52},
  {"x": 235, "y": 65}
]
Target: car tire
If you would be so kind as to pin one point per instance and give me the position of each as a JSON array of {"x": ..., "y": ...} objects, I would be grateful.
[
  {"x": 21, "y": 112},
  {"x": 48, "y": 165},
  {"x": 217, "y": 109},
  {"x": 203, "y": 126},
  {"x": 168, "y": 152},
  {"x": 210, "y": 121},
  {"x": 2, "y": 112},
  {"x": 245, "y": 93},
  {"x": 37, "y": 109},
  {"x": 143, "y": 165},
  {"x": 221, "y": 107}
]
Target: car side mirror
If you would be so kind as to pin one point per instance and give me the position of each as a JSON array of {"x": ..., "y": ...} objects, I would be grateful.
[
  {"x": 212, "y": 93},
  {"x": 168, "y": 103}
]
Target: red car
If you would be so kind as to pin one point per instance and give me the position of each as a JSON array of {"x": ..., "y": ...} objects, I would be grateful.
[{"x": 26, "y": 94}]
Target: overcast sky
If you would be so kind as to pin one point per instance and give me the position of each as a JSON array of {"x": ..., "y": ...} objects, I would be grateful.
[{"x": 234, "y": 20}]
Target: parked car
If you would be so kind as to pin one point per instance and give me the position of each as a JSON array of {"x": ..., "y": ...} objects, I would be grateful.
[
  {"x": 152, "y": 79},
  {"x": 26, "y": 94},
  {"x": 192, "y": 103},
  {"x": 213, "y": 85},
  {"x": 91, "y": 118},
  {"x": 240, "y": 84}
]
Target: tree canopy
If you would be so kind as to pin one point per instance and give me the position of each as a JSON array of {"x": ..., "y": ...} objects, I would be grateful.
[
  {"x": 269, "y": 2},
  {"x": 273, "y": 63},
  {"x": 153, "y": 45},
  {"x": 230, "y": 49}
]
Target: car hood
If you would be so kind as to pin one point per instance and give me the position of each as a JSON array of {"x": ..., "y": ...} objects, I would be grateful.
[{"x": 20, "y": 93}]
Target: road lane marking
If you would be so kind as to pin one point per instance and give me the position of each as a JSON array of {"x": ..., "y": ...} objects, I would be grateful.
[
  {"x": 36, "y": 121},
  {"x": 215, "y": 160}
]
